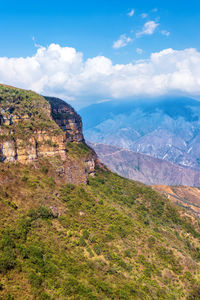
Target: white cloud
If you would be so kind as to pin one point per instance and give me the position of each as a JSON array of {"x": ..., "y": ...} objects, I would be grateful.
[
  {"x": 154, "y": 10},
  {"x": 122, "y": 41},
  {"x": 165, "y": 32},
  {"x": 139, "y": 50},
  {"x": 148, "y": 28},
  {"x": 144, "y": 15},
  {"x": 63, "y": 72},
  {"x": 131, "y": 13}
]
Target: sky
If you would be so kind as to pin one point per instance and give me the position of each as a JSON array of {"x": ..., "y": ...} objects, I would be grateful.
[{"x": 90, "y": 51}]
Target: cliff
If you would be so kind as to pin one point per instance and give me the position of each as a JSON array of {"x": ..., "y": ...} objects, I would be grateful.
[
  {"x": 33, "y": 127},
  {"x": 67, "y": 119}
]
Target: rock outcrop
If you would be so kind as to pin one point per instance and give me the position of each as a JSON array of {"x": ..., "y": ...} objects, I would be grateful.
[
  {"x": 67, "y": 119},
  {"x": 33, "y": 127}
]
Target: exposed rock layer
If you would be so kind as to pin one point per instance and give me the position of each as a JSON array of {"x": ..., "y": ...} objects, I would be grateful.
[
  {"x": 67, "y": 119},
  {"x": 32, "y": 127}
]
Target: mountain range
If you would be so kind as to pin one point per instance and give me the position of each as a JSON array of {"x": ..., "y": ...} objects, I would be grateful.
[
  {"x": 145, "y": 168},
  {"x": 164, "y": 128}
]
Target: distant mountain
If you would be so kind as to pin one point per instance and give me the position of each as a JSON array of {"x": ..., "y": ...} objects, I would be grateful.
[
  {"x": 166, "y": 128},
  {"x": 144, "y": 168}
]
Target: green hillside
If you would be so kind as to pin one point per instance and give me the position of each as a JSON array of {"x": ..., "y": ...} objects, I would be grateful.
[
  {"x": 109, "y": 239},
  {"x": 103, "y": 237},
  {"x": 30, "y": 110}
]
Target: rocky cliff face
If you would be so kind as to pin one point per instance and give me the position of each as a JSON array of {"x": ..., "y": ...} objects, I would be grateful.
[
  {"x": 67, "y": 119},
  {"x": 32, "y": 127}
]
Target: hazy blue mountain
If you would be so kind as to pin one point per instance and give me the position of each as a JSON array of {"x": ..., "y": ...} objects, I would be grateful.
[{"x": 165, "y": 128}]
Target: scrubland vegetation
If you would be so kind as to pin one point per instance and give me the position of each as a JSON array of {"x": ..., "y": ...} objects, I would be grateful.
[{"x": 110, "y": 239}]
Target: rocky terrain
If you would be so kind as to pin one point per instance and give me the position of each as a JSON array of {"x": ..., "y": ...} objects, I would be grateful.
[
  {"x": 144, "y": 168},
  {"x": 166, "y": 128},
  {"x": 32, "y": 127}
]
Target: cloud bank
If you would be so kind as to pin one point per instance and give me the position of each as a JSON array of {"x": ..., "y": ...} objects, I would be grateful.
[{"x": 63, "y": 72}]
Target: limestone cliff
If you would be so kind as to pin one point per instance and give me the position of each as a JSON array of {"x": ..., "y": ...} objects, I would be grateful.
[{"x": 34, "y": 127}]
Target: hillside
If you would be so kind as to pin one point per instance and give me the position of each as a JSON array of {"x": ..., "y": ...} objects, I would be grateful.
[
  {"x": 164, "y": 128},
  {"x": 185, "y": 196},
  {"x": 71, "y": 229},
  {"x": 144, "y": 168}
]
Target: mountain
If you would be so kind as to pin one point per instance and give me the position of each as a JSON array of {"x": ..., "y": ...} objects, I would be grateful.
[
  {"x": 72, "y": 229},
  {"x": 165, "y": 128},
  {"x": 144, "y": 168}
]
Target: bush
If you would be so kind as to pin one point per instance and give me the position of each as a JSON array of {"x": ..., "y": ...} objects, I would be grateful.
[
  {"x": 6, "y": 241},
  {"x": 82, "y": 242},
  {"x": 35, "y": 280},
  {"x": 7, "y": 260},
  {"x": 44, "y": 296},
  {"x": 85, "y": 234},
  {"x": 97, "y": 249},
  {"x": 24, "y": 226},
  {"x": 35, "y": 254},
  {"x": 44, "y": 169},
  {"x": 73, "y": 287},
  {"x": 32, "y": 213},
  {"x": 44, "y": 212}
]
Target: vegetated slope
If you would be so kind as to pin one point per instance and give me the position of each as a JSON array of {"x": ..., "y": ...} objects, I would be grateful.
[
  {"x": 67, "y": 235},
  {"x": 165, "y": 128},
  {"x": 144, "y": 168},
  {"x": 185, "y": 196},
  {"x": 110, "y": 239}
]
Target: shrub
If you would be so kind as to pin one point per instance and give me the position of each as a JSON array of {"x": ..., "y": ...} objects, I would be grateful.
[
  {"x": 23, "y": 228},
  {"x": 44, "y": 296},
  {"x": 7, "y": 260},
  {"x": 82, "y": 242},
  {"x": 44, "y": 212},
  {"x": 35, "y": 280},
  {"x": 32, "y": 213},
  {"x": 85, "y": 234},
  {"x": 44, "y": 169},
  {"x": 6, "y": 241},
  {"x": 73, "y": 287},
  {"x": 97, "y": 249}
]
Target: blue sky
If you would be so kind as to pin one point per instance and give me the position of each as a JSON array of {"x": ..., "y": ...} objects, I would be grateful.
[
  {"x": 92, "y": 26},
  {"x": 91, "y": 38}
]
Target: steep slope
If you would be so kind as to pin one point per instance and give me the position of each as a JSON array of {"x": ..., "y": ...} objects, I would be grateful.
[
  {"x": 166, "y": 128},
  {"x": 144, "y": 168},
  {"x": 185, "y": 196},
  {"x": 32, "y": 128},
  {"x": 67, "y": 235},
  {"x": 111, "y": 239}
]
